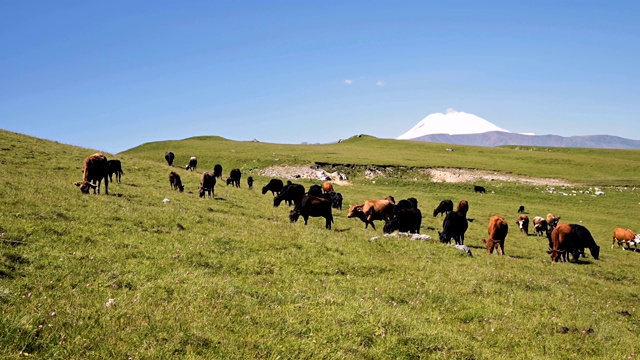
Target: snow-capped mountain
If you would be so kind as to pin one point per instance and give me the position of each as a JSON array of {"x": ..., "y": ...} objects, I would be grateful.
[
  {"x": 462, "y": 128},
  {"x": 451, "y": 123}
]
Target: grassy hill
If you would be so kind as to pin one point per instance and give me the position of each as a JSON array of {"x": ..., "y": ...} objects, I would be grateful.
[{"x": 126, "y": 275}]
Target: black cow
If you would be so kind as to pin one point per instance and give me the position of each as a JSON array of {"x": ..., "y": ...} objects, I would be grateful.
[
  {"x": 217, "y": 171},
  {"x": 207, "y": 183},
  {"x": 115, "y": 167},
  {"x": 169, "y": 156},
  {"x": 479, "y": 189},
  {"x": 274, "y": 185},
  {"x": 315, "y": 190},
  {"x": 291, "y": 193},
  {"x": 405, "y": 220},
  {"x": 234, "y": 178},
  {"x": 250, "y": 182},
  {"x": 521, "y": 209},
  {"x": 336, "y": 199},
  {"x": 312, "y": 206},
  {"x": 454, "y": 226},
  {"x": 444, "y": 207}
]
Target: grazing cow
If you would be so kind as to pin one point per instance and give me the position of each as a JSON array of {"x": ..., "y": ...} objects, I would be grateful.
[
  {"x": 521, "y": 209},
  {"x": 207, "y": 183},
  {"x": 336, "y": 199},
  {"x": 407, "y": 217},
  {"x": 539, "y": 225},
  {"x": 523, "y": 224},
  {"x": 625, "y": 237},
  {"x": 552, "y": 220},
  {"x": 193, "y": 164},
  {"x": 274, "y": 185},
  {"x": 479, "y": 189},
  {"x": 169, "y": 156},
  {"x": 455, "y": 224},
  {"x": 312, "y": 206},
  {"x": 175, "y": 182},
  {"x": 250, "y": 182},
  {"x": 444, "y": 207},
  {"x": 235, "y": 176},
  {"x": 217, "y": 171},
  {"x": 291, "y": 193},
  {"x": 315, "y": 190},
  {"x": 498, "y": 230},
  {"x": 372, "y": 210},
  {"x": 94, "y": 168},
  {"x": 115, "y": 167},
  {"x": 572, "y": 239},
  {"x": 327, "y": 187}
]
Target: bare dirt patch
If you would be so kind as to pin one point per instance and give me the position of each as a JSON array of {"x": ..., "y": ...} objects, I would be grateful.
[
  {"x": 470, "y": 175},
  {"x": 305, "y": 172}
]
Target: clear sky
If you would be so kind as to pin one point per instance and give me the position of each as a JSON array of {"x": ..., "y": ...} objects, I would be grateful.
[{"x": 112, "y": 75}]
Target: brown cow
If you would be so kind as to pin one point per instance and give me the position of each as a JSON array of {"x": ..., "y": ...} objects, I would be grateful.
[
  {"x": 327, "y": 187},
  {"x": 625, "y": 237},
  {"x": 372, "y": 210},
  {"x": 175, "y": 182},
  {"x": 572, "y": 238},
  {"x": 94, "y": 168},
  {"x": 523, "y": 224},
  {"x": 497, "y": 229}
]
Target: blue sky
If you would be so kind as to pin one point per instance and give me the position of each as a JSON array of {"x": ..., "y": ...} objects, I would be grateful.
[{"x": 111, "y": 75}]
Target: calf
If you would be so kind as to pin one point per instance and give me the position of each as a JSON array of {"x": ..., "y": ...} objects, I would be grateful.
[
  {"x": 552, "y": 220},
  {"x": 274, "y": 185},
  {"x": 372, "y": 210},
  {"x": 572, "y": 239},
  {"x": 193, "y": 164},
  {"x": 523, "y": 224},
  {"x": 291, "y": 193},
  {"x": 521, "y": 209},
  {"x": 115, "y": 167},
  {"x": 479, "y": 189},
  {"x": 444, "y": 207},
  {"x": 498, "y": 230},
  {"x": 169, "y": 156},
  {"x": 175, "y": 182},
  {"x": 312, "y": 206},
  {"x": 539, "y": 225},
  {"x": 336, "y": 199},
  {"x": 207, "y": 183},
  {"x": 95, "y": 168},
  {"x": 250, "y": 182},
  {"x": 625, "y": 237}
]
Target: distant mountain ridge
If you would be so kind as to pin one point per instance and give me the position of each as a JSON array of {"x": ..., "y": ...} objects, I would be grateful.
[{"x": 499, "y": 138}]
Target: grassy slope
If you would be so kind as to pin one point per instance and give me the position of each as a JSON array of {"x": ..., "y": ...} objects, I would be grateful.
[{"x": 232, "y": 278}]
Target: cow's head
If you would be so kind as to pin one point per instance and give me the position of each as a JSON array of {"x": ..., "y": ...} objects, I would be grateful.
[
  {"x": 85, "y": 186},
  {"x": 294, "y": 215},
  {"x": 595, "y": 252},
  {"x": 443, "y": 237},
  {"x": 391, "y": 226},
  {"x": 556, "y": 254},
  {"x": 493, "y": 245},
  {"x": 201, "y": 191}
]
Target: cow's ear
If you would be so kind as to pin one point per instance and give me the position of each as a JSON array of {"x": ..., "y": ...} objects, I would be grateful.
[
  {"x": 77, "y": 183},
  {"x": 484, "y": 241}
]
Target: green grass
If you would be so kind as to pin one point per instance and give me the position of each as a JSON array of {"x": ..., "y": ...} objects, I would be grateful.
[{"x": 232, "y": 278}]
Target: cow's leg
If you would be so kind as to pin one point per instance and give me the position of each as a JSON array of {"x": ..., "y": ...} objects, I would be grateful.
[{"x": 306, "y": 218}]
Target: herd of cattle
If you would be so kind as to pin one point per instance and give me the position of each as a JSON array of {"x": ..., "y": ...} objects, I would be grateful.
[{"x": 564, "y": 239}]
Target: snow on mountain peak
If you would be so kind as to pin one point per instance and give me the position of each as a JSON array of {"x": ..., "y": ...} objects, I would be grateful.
[{"x": 452, "y": 123}]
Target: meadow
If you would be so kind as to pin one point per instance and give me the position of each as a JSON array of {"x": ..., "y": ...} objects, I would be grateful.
[{"x": 125, "y": 275}]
